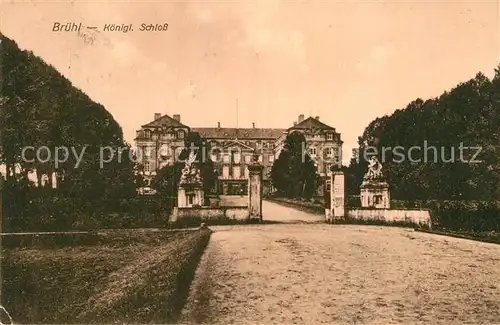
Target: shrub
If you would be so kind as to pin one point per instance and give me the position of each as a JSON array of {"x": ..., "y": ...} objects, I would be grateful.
[{"x": 474, "y": 216}]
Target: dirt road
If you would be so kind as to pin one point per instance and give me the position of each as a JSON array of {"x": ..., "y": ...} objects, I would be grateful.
[
  {"x": 319, "y": 273},
  {"x": 275, "y": 212},
  {"x": 272, "y": 211}
]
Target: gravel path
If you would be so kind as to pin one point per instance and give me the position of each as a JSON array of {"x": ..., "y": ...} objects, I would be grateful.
[
  {"x": 276, "y": 212},
  {"x": 319, "y": 273}
]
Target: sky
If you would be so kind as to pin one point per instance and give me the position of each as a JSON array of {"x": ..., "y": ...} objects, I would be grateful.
[{"x": 238, "y": 62}]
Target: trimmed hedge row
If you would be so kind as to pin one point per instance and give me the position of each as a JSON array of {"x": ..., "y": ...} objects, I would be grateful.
[
  {"x": 69, "y": 214},
  {"x": 476, "y": 216}
]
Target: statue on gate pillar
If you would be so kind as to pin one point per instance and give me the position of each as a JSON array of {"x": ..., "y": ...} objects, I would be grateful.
[
  {"x": 374, "y": 191},
  {"x": 190, "y": 191}
]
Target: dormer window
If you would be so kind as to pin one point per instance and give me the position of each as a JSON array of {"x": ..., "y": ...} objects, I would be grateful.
[
  {"x": 147, "y": 134},
  {"x": 329, "y": 136},
  {"x": 180, "y": 134}
]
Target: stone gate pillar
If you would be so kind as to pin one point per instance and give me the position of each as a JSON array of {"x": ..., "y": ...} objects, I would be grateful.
[
  {"x": 255, "y": 190},
  {"x": 337, "y": 196},
  {"x": 1, "y": 224},
  {"x": 1, "y": 205}
]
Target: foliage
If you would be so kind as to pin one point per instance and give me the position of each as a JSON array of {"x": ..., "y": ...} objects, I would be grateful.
[
  {"x": 105, "y": 277},
  {"x": 39, "y": 107},
  {"x": 53, "y": 213},
  {"x": 465, "y": 215},
  {"x": 469, "y": 115},
  {"x": 294, "y": 173},
  {"x": 167, "y": 179}
]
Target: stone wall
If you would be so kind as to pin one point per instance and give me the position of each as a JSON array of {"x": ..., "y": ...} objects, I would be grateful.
[
  {"x": 416, "y": 216},
  {"x": 205, "y": 213}
]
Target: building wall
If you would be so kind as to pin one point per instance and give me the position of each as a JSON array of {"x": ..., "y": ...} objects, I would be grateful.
[
  {"x": 159, "y": 147},
  {"x": 324, "y": 147},
  {"x": 205, "y": 213},
  {"x": 417, "y": 217},
  {"x": 161, "y": 144}
]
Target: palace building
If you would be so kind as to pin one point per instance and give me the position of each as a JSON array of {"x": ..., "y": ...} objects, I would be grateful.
[{"x": 161, "y": 140}]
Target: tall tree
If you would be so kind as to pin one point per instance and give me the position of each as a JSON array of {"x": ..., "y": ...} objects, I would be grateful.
[
  {"x": 294, "y": 172},
  {"x": 437, "y": 129},
  {"x": 41, "y": 108}
]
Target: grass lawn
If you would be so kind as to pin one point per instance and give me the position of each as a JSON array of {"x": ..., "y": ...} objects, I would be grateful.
[
  {"x": 484, "y": 236},
  {"x": 122, "y": 276}
]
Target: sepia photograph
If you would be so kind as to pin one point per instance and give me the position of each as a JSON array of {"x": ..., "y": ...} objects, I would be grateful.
[{"x": 249, "y": 162}]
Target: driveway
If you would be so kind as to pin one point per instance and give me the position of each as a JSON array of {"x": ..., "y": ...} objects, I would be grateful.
[
  {"x": 320, "y": 273},
  {"x": 275, "y": 212}
]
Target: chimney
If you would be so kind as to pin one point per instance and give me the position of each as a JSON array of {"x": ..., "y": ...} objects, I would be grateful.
[
  {"x": 301, "y": 118},
  {"x": 317, "y": 117},
  {"x": 218, "y": 125},
  {"x": 253, "y": 125},
  {"x": 294, "y": 123},
  {"x": 157, "y": 116},
  {"x": 176, "y": 117}
]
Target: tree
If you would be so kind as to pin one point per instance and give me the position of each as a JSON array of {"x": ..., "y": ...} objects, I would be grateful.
[
  {"x": 294, "y": 172},
  {"x": 39, "y": 107},
  {"x": 167, "y": 180},
  {"x": 467, "y": 115}
]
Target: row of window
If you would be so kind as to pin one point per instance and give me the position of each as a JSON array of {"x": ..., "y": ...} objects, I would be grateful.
[
  {"x": 235, "y": 172},
  {"x": 329, "y": 136},
  {"x": 328, "y": 151},
  {"x": 226, "y": 159},
  {"x": 236, "y": 158},
  {"x": 259, "y": 144},
  {"x": 169, "y": 135},
  {"x": 225, "y": 170}
]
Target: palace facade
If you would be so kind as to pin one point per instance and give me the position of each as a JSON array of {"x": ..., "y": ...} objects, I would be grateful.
[{"x": 161, "y": 140}]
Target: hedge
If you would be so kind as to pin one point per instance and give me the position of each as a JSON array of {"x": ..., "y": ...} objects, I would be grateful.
[{"x": 72, "y": 214}]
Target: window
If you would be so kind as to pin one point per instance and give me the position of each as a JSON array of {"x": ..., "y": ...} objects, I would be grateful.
[
  {"x": 260, "y": 158},
  {"x": 225, "y": 172},
  {"x": 215, "y": 155},
  {"x": 147, "y": 152},
  {"x": 248, "y": 158},
  {"x": 225, "y": 158},
  {"x": 271, "y": 158},
  {"x": 312, "y": 151},
  {"x": 328, "y": 152},
  {"x": 190, "y": 199},
  {"x": 236, "y": 157},
  {"x": 329, "y": 136},
  {"x": 147, "y": 134},
  {"x": 180, "y": 134},
  {"x": 236, "y": 172},
  {"x": 247, "y": 173},
  {"x": 147, "y": 166}
]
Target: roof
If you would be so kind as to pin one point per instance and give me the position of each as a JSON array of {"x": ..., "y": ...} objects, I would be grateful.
[
  {"x": 239, "y": 133},
  {"x": 312, "y": 123},
  {"x": 165, "y": 120}
]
